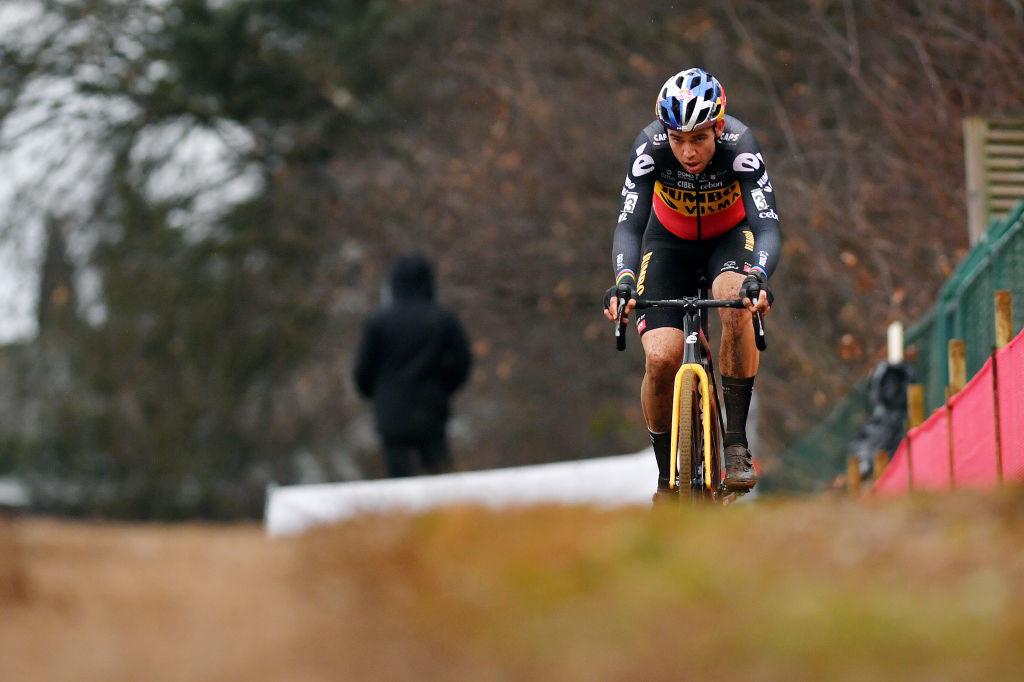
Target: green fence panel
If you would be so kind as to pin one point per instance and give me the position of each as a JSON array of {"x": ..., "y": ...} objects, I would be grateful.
[
  {"x": 818, "y": 455},
  {"x": 965, "y": 308}
]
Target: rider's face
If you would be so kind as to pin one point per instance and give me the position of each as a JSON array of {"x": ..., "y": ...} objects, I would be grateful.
[{"x": 694, "y": 150}]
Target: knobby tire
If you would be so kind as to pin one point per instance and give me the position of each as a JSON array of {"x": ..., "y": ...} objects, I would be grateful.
[{"x": 688, "y": 408}]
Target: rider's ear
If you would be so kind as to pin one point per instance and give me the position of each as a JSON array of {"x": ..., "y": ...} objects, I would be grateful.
[{"x": 719, "y": 127}]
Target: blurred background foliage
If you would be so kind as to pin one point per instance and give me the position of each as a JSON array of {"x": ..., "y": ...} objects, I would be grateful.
[{"x": 211, "y": 355}]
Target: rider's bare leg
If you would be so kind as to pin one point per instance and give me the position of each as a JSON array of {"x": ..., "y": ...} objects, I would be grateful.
[
  {"x": 663, "y": 348},
  {"x": 738, "y": 356},
  {"x": 738, "y": 359}
]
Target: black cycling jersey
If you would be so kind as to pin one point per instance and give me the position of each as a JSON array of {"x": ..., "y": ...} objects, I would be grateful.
[{"x": 733, "y": 191}]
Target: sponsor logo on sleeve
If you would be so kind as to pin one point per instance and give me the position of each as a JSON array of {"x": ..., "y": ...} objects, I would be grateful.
[
  {"x": 660, "y": 138},
  {"x": 747, "y": 162},
  {"x": 730, "y": 265},
  {"x": 643, "y": 165},
  {"x": 759, "y": 200},
  {"x": 630, "y": 203},
  {"x": 729, "y": 137},
  {"x": 692, "y": 338},
  {"x": 762, "y": 258},
  {"x": 630, "y": 185},
  {"x": 623, "y": 216},
  {"x": 641, "y": 323},
  {"x": 640, "y": 282},
  {"x": 620, "y": 261},
  {"x": 748, "y": 240},
  {"x": 764, "y": 183},
  {"x": 769, "y": 214}
]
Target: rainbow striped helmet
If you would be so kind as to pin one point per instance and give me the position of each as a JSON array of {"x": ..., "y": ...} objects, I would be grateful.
[{"x": 690, "y": 100}]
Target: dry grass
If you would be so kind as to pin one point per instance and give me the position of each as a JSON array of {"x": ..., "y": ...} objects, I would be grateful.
[{"x": 931, "y": 588}]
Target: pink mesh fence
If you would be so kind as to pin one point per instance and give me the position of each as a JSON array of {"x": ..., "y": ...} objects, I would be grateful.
[
  {"x": 894, "y": 480},
  {"x": 967, "y": 429},
  {"x": 1010, "y": 363},
  {"x": 929, "y": 462},
  {"x": 974, "y": 435}
]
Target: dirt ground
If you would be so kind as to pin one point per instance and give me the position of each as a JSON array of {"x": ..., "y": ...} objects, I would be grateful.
[{"x": 927, "y": 588}]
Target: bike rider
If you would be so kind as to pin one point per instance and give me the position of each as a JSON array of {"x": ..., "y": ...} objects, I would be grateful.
[{"x": 696, "y": 197}]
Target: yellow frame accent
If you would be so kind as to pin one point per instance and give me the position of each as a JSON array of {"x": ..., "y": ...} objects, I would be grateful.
[{"x": 705, "y": 400}]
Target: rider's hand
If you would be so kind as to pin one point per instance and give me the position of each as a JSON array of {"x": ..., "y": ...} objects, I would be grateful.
[
  {"x": 611, "y": 301},
  {"x": 755, "y": 292}
]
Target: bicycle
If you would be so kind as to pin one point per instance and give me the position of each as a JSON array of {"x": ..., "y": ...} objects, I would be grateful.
[{"x": 697, "y": 424}]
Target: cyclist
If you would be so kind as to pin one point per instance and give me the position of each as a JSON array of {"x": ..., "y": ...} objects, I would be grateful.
[{"x": 696, "y": 197}]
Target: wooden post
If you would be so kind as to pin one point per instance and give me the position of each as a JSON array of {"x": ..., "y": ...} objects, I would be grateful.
[
  {"x": 915, "y": 405},
  {"x": 853, "y": 475},
  {"x": 881, "y": 459},
  {"x": 957, "y": 366},
  {"x": 1004, "y": 318},
  {"x": 915, "y": 417},
  {"x": 1004, "y": 332},
  {"x": 957, "y": 381}
]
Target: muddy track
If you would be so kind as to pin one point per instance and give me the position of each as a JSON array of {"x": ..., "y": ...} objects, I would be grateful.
[{"x": 931, "y": 588}]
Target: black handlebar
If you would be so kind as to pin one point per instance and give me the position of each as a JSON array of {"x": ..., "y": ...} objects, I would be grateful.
[{"x": 689, "y": 304}]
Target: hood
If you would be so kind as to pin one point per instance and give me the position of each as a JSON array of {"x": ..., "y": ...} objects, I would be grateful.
[{"x": 412, "y": 278}]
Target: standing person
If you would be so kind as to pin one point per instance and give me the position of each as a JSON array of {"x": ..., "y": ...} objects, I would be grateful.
[
  {"x": 412, "y": 358},
  {"x": 696, "y": 197}
]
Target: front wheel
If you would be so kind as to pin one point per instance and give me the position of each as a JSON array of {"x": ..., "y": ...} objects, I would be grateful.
[{"x": 690, "y": 444}]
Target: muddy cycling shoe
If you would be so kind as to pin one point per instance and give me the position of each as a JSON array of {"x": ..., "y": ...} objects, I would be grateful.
[
  {"x": 665, "y": 496},
  {"x": 739, "y": 468}
]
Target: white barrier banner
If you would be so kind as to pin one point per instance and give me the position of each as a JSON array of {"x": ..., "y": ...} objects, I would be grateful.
[{"x": 606, "y": 481}]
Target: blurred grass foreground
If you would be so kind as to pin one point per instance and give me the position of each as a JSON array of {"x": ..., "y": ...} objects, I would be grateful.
[{"x": 923, "y": 588}]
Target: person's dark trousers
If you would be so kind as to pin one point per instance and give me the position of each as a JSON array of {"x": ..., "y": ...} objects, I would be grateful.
[{"x": 403, "y": 456}]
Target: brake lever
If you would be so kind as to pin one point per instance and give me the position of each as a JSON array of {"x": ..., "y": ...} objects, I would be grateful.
[
  {"x": 760, "y": 340},
  {"x": 620, "y": 328}
]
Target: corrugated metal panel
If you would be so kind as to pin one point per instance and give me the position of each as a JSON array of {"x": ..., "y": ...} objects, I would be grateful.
[{"x": 994, "y": 155}]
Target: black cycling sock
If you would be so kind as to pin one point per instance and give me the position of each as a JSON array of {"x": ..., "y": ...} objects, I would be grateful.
[
  {"x": 736, "y": 395},
  {"x": 662, "y": 443}
]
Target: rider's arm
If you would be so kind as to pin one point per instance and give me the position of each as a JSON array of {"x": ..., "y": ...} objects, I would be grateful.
[
  {"x": 634, "y": 210},
  {"x": 759, "y": 202}
]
